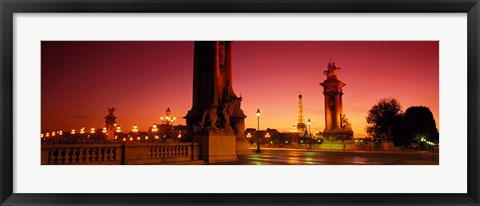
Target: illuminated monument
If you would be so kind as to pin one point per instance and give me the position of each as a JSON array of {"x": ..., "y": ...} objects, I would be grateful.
[
  {"x": 216, "y": 120},
  {"x": 336, "y": 123},
  {"x": 301, "y": 127}
]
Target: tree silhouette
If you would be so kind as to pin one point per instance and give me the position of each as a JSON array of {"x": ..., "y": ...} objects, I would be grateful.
[
  {"x": 382, "y": 116},
  {"x": 398, "y": 132}
]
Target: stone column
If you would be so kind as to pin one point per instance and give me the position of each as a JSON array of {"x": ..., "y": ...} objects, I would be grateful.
[
  {"x": 215, "y": 109},
  {"x": 110, "y": 124},
  {"x": 204, "y": 75},
  {"x": 332, "y": 90},
  {"x": 328, "y": 112},
  {"x": 337, "y": 111}
]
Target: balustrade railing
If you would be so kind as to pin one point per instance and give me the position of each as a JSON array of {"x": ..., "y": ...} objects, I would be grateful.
[
  {"x": 153, "y": 153},
  {"x": 118, "y": 153}
]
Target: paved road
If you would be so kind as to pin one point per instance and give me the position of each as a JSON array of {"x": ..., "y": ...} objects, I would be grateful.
[{"x": 270, "y": 156}]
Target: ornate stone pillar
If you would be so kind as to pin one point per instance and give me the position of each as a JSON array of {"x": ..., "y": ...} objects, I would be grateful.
[
  {"x": 216, "y": 119},
  {"x": 110, "y": 124},
  {"x": 333, "y": 92}
]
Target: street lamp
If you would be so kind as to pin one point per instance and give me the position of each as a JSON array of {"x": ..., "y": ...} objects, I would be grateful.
[
  {"x": 258, "y": 129},
  {"x": 135, "y": 128},
  {"x": 167, "y": 118},
  {"x": 309, "y": 131},
  {"x": 267, "y": 136},
  {"x": 154, "y": 128},
  {"x": 249, "y": 136}
]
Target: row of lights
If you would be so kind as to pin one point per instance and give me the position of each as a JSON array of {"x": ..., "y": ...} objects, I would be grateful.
[
  {"x": 428, "y": 142},
  {"x": 167, "y": 119},
  {"x": 82, "y": 131},
  {"x": 286, "y": 142},
  {"x": 267, "y": 135},
  {"x": 104, "y": 130},
  {"x": 52, "y": 134},
  {"x": 92, "y": 131},
  {"x": 146, "y": 138},
  {"x": 138, "y": 138}
]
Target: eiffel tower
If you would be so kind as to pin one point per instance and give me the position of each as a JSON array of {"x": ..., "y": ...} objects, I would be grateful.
[{"x": 301, "y": 127}]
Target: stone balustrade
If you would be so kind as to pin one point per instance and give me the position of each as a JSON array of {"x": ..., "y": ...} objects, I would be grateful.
[
  {"x": 119, "y": 153},
  {"x": 157, "y": 153}
]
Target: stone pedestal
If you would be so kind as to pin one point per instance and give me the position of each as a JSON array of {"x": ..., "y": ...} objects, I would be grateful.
[
  {"x": 338, "y": 135},
  {"x": 216, "y": 147},
  {"x": 241, "y": 145},
  {"x": 388, "y": 145},
  {"x": 338, "y": 145},
  {"x": 353, "y": 145}
]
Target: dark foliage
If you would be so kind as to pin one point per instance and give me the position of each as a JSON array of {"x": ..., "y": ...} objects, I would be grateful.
[
  {"x": 418, "y": 123},
  {"x": 382, "y": 116}
]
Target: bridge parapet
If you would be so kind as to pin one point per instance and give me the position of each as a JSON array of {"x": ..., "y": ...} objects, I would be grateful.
[{"x": 119, "y": 153}]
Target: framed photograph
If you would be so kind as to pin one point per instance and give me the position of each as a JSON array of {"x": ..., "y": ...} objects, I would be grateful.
[{"x": 193, "y": 102}]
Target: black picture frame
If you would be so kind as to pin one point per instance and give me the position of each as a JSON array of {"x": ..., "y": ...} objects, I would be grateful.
[{"x": 10, "y": 7}]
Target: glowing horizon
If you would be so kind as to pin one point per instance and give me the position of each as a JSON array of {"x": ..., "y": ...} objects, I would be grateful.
[{"x": 142, "y": 79}]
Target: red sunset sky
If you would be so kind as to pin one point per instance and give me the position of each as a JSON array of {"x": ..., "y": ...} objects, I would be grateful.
[{"x": 141, "y": 79}]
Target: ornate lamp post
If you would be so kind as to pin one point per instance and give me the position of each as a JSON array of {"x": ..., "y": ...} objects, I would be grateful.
[
  {"x": 258, "y": 129},
  {"x": 154, "y": 128},
  {"x": 309, "y": 131},
  {"x": 168, "y": 120},
  {"x": 267, "y": 136},
  {"x": 135, "y": 128}
]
